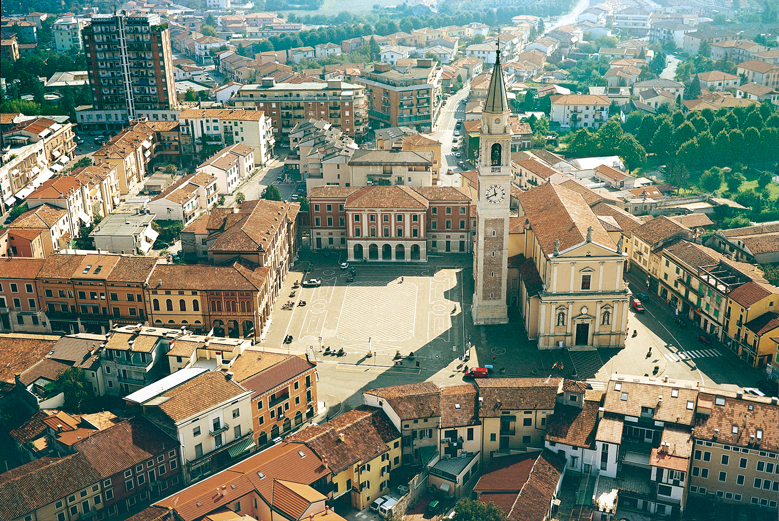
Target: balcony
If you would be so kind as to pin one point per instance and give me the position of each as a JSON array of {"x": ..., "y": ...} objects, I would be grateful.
[
  {"x": 375, "y": 114},
  {"x": 219, "y": 430},
  {"x": 131, "y": 380},
  {"x": 504, "y": 431},
  {"x": 278, "y": 400}
]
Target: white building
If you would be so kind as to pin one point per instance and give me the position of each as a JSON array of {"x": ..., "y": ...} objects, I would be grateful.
[
  {"x": 483, "y": 51},
  {"x": 186, "y": 199},
  {"x": 218, "y": 4},
  {"x": 221, "y": 126},
  {"x": 67, "y": 34},
  {"x": 580, "y": 111},
  {"x": 632, "y": 20},
  {"x": 718, "y": 80},
  {"x": 224, "y": 92},
  {"x": 125, "y": 233},
  {"x": 394, "y": 53},
  {"x": 325, "y": 50},
  {"x": 203, "y": 46},
  {"x": 206, "y": 411}
]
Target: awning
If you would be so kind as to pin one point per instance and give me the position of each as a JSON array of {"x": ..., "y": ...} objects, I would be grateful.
[
  {"x": 45, "y": 176},
  {"x": 10, "y": 200},
  {"x": 83, "y": 217},
  {"x": 241, "y": 447},
  {"x": 152, "y": 235},
  {"x": 55, "y": 167},
  {"x": 445, "y": 486},
  {"x": 145, "y": 246},
  {"x": 56, "y": 153},
  {"x": 35, "y": 169},
  {"x": 146, "y": 144},
  {"x": 64, "y": 160},
  {"x": 24, "y": 192}
]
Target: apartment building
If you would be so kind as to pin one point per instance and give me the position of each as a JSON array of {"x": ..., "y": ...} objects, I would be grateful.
[
  {"x": 648, "y": 241},
  {"x": 137, "y": 463},
  {"x": 66, "y": 193},
  {"x": 763, "y": 73},
  {"x": 67, "y": 34},
  {"x": 362, "y": 447},
  {"x": 287, "y": 104},
  {"x": 191, "y": 350},
  {"x": 10, "y": 48},
  {"x": 580, "y": 111},
  {"x": 319, "y": 153},
  {"x": 38, "y": 232},
  {"x": 735, "y": 453},
  {"x": 409, "y": 98},
  {"x": 102, "y": 187},
  {"x": 130, "y": 70},
  {"x": 754, "y": 244},
  {"x": 206, "y": 411},
  {"x": 125, "y": 233},
  {"x": 130, "y": 152},
  {"x": 395, "y": 223},
  {"x": 219, "y": 128},
  {"x": 748, "y": 303},
  {"x": 735, "y": 50},
  {"x": 229, "y": 166},
  {"x": 632, "y": 20},
  {"x": 389, "y": 167},
  {"x": 529, "y": 173},
  {"x": 718, "y": 80},
  {"x": 187, "y": 198},
  {"x": 125, "y": 289},
  {"x": 284, "y": 392},
  {"x": 20, "y": 307}
]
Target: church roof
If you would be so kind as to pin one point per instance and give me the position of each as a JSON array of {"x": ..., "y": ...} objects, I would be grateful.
[{"x": 497, "y": 101}]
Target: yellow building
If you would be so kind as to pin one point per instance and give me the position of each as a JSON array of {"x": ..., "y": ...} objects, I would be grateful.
[
  {"x": 746, "y": 304},
  {"x": 646, "y": 246},
  {"x": 422, "y": 143},
  {"x": 360, "y": 448},
  {"x": 571, "y": 290}
]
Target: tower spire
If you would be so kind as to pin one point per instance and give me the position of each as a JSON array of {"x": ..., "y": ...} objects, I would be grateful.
[{"x": 497, "y": 101}]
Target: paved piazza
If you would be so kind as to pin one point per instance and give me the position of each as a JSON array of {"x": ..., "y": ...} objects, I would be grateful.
[{"x": 384, "y": 310}]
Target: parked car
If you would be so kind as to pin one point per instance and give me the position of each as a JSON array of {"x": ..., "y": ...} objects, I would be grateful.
[
  {"x": 768, "y": 387},
  {"x": 704, "y": 339},
  {"x": 312, "y": 283},
  {"x": 477, "y": 372},
  {"x": 433, "y": 507},
  {"x": 637, "y": 306},
  {"x": 753, "y": 391},
  {"x": 456, "y": 132},
  {"x": 449, "y": 172},
  {"x": 294, "y": 197},
  {"x": 378, "y": 502},
  {"x": 344, "y": 265},
  {"x": 288, "y": 339},
  {"x": 385, "y": 510}
]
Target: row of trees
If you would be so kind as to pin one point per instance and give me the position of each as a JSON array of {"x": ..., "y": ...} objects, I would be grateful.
[{"x": 610, "y": 139}]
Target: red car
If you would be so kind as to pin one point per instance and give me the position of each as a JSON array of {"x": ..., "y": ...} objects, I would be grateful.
[
  {"x": 477, "y": 372},
  {"x": 637, "y": 306},
  {"x": 705, "y": 340}
]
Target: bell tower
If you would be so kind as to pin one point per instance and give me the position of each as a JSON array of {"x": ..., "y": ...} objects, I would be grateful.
[{"x": 490, "y": 260}]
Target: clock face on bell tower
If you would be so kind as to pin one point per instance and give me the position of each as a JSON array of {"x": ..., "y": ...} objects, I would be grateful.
[{"x": 492, "y": 207}]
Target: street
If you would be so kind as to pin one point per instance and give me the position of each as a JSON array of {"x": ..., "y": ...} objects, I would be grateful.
[
  {"x": 452, "y": 111},
  {"x": 569, "y": 18},
  {"x": 671, "y": 62}
]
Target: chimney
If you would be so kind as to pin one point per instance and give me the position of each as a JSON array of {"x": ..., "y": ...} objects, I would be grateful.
[
  {"x": 739, "y": 394},
  {"x": 268, "y": 82},
  {"x": 716, "y": 433},
  {"x": 229, "y": 375},
  {"x": 341, "y": 436}
]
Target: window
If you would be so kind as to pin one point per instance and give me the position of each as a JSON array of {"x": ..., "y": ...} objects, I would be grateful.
[
  {"x": 527, "y": 422},
  {"x": 492, "y": 436},
  {"x": 740, "y": 479},
  {"x": 723, "y": 476},
  {"x": 725, "y": 459},
  {"x": 525, "y": 439},
  {"x": 761, "y": 466},
  {"x": 707, "y": 456},
  {"x": 664, "y": 490},
  {"x": 237, "y": 431},
  {"x": 129, "y": 484},
  {"x": 182, "y": 305},
  {"x": 586, "y": 279},
  {"x": 156, "y": 305},
  {"x": 705, "y": 473},
  {"x": 196, "y": 431},
  {"x": 198, "y": 450},
  {"x": 236, "y": 413},
  {"x": 757, "y": 483}
]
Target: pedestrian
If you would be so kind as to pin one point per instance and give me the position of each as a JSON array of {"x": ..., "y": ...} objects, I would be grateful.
[{"x": 401, "y": 280}]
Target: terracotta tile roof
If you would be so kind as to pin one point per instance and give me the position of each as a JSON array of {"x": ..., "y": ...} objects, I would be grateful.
[
  {"x": 46, "y": 368},
  {"x": 293, "y": 498},
  {"x": 95, "y": 266},
  {"x": 153, "y": 513},
  {"x": 540, "y": 169},
  {"x": 759, "y": 244},
  {"x": 326, "y": 192},
  {"x": 693, "y": 255},
  {"x": 472, "y": 176},
  {"x": 611, "y": 173},
  {"x": 557, "y": 213},
  {"x": 610, "y": 430},
  {"x": 31, "y": 429},
  {"x": 239, "y": 276},
  {"x": 532, "y": 280},
  {"x": 763, "y": 324},
  {"x": 275, "y": 375},
  {"x": 582, "y": 99},
  {"x": 40, "y": 483},
  {"x": 411, "y": 401},
  {"x": 19, "y": 268},
  {"x": 280, "y": 462},
  {"x": 573, "y": 426},
  {"x": 590, "y": 197},
  {"x": 535, "y": 498},
  {"x": 132, "y": 268},
  {"x": 756, "y": 66},
  {"x": 444, "y": 193},
  {"x": 660, "y": 229},
  {"x": 19, "y": 352},
  {"x": 679, "y": 441},
  {"x": 749, "y": 413},
  {"x": 199, "y": 226},
  {"x": 367, "y": 434},
  {"x": 387, "y": 197},
  {"x": 419, "y": 140},
  {"x": 625, "y": 220},
  {"x": 512, "y": 394},
  {"x": 60, "y": 266},
  {"x": 222, "y": 114},
  {"x": 62, "y": 421},
  {"x": 124, "y": 445},
  {"x": 56, "y": 188},
  {"x": 198, "y": 394},
  {"x": 250, "y": 228},
  {"x": 473, "y": 125},
  {"x": 44, "y": 216},
  {"x": 131, "y": 342},
  {"x": 751, "y": 293},
  {"x": 638, "y": 394},
  {"x": 507, "y": 474},
  {"x": 458, "y": 406}
]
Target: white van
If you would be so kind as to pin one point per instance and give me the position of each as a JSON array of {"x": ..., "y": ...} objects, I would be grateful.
[{"x": 385, "y": 510}]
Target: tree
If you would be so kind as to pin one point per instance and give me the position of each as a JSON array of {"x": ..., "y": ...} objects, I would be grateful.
[
  {"x": 614, "y": 109},
  {"x": 303, "y": 204},
  {"x": 73, "y": 383},
  {"x": 83, "y": 162},
  {"x": 676, "y": 173},
  {"x": 658, "y": 63},
  {"x": 584, "y": 143},
  {"x": 647, "y": 130},
  {"x": 272, "y": 193},
  {"x": 609, "y": 136},
  {"x": 764, "y": 179},
  {"x": 472, "y": 510},
  {"x": 373, "y": 49},
  {"x": 190, "y": 95},
  {"x": 541, "y": 27},
  {"x": 530, "y": 100},
  {"x": 661, "y": 142},
  {"x": 683, "y": 134},
  {"x": 711, "y": 180},
  {"x": 704, "y": 49},
  {"x": 734, "y": 181},
  {"x": 240, "y": 197},
  {"x": 16, "y": 211},
  {"x": 631, "y": 152},
  {"x": 210, "y": 20},
  {"x": 693, "y": 89},
  {"x": 208, "y": 30},
  {"x": 171, "y": 169}
]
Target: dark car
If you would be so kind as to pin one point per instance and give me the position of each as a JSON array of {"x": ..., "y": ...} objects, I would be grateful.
[
  {"x": 288, "y": 339},
  {"x": 637, "y": 306},
  {"x": 768, "y": 387},
  {"x": 704, "y": 339}
]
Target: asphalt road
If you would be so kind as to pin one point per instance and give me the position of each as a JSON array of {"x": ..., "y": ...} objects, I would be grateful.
[{"x": 451, "y": 112}]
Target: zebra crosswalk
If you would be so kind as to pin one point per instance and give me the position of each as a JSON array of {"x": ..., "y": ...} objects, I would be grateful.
[{"x": 691, "y": 354}]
